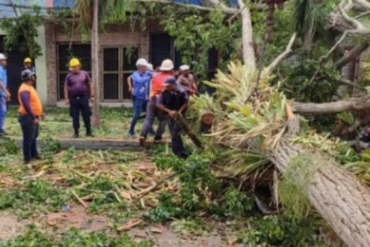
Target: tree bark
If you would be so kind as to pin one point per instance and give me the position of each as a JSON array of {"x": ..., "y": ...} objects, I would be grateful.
[
  {"x": 95, "y": 64},
  {"x": 249, "y": 56},
  {"x": 333, "y": 107},
  {"x": 188, "y": 130},
  {"x": 355, "y": 52},
  {"x": 335, "y": 193}
]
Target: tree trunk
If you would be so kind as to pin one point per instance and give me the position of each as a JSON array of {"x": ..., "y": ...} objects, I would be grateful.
[
  {"x": 95, "y": 64},
  {"x": 351, "y": 55},
  {"x": 333, "y": 107},
  {"x": 189, "y": 131},
  {"x": 249, "y": 56},
  {"x": 335, "y": 193}
]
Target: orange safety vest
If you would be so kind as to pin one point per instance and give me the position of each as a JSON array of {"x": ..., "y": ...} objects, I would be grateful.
[
  {"x": 157, "y": 85},
  {"x": 35, "y": 102}
]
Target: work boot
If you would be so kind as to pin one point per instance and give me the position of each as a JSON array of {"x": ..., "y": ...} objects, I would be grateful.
[
  {"x": 76, "y": 135},
  {"x": 158, "y": 139},
  {"x": 142, "y": 140},
  {"x": 89, "y": 133}
]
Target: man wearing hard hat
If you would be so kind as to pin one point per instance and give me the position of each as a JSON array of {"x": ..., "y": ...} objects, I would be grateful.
[
  {"x": 140, "y": 83},
  {"x": 4, "y": 93},
  {"x": 186, "y": 80},
  {"x": 156, "y": 88},
  {"x": 78, "y": 90},
  {"x": 28, "y": 66}
]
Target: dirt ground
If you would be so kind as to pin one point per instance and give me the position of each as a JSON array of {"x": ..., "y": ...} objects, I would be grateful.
[{"x": 161, "y": 235}]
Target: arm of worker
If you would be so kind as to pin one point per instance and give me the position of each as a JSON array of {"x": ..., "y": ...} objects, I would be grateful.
[
  {"x": 66, "y": 96},
  {"x": 194, "y": 82},
  {"x": 25, "y": 99},
  {"x": 161, "y": 106},
  {"x": 90, "y": 86},
  {"x": 129, "y": 84},
  {"x": 2, "y": 87},
  {"x": 185, "y": 99}
]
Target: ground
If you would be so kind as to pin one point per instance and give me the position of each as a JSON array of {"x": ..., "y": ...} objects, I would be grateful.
[{"x": 103, "y": 191}]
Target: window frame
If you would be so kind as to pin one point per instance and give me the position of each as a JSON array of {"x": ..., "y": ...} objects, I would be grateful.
[{"x": 122, "y": 84}]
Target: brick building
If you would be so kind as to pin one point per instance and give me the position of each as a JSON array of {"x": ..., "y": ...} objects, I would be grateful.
[{"x": 120, "y": 47}]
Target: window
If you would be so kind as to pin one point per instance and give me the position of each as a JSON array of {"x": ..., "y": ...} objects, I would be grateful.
[
  {"x": 118, "y": 64},
  {"x": 65, "y": 53},
  {"x": 162, "y": 47}
]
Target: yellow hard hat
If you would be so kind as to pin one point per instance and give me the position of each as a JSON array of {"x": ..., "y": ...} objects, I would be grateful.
[
  {"x": 74, "y": 62},
  {"x": 27, "y": 60}
]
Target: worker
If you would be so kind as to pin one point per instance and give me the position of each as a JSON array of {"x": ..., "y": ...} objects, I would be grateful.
[
  {"x": 364, "y": 141},
  {"x": 4, "y": 93},
  {"x": 30, "y": 113},
  {"x": 28, "y": 65},
  {"x": 140, "y": 82},
  {"x": 173, "y": 101},
  {"x": 156, "y": 87},
  {"x": 78, "y": 90},
  {"x": 186, "y": 80}
]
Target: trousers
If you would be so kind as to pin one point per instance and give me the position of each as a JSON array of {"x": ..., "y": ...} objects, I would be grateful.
[
  {"x": 81, "y": 105},
  {"x": 176, "y": 140},
  {"x": 138, "y": 105},
  {"x": 30, "y": 132},
  {"x": 151, "y": 113},
  {"x": 3, "y": 111}
]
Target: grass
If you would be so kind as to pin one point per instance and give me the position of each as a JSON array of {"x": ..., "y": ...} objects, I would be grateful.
[{"x": 115, "y": 123}]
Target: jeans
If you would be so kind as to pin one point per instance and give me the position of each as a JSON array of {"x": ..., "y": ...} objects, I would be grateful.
[
  {"x": 30, "y": 133},
  {"x": 151, "y": 113},
  {"x": 81, "y": 105},
  {"x": 3, "y": 111},
  {"x": 176, "y": 140},
  {"x": 137, "y": 108}
]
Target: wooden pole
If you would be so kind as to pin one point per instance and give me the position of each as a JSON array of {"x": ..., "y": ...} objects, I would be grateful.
[{"x": 187, "y": 129}]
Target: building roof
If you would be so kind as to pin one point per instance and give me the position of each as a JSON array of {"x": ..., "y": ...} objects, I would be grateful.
[{"x": 7, "y": 8}]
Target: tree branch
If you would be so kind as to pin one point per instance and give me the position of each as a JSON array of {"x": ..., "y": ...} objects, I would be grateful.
[
  {"x": 333, "y": 107},
  {"x": 283, "y": 55},
  {"x": 352, "y": 54},
  {"x": 249, "y": 56}
]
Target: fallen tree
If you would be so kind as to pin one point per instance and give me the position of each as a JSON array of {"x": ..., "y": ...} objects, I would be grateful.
[
  {"x": 266, "y": 125},
  {"x": 333, "y": 107}
]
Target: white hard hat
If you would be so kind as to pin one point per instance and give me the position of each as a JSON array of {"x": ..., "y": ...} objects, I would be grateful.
[
  {"x": 166, "y": 65},
  {"x": 141, "y": 62},
  {"x": 149, "y": 66},
  {"x": 184, "y": 67},
  {"x": 2, "y": 57}
]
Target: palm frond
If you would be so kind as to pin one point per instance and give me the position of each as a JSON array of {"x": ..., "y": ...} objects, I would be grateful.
[{"x": 303, "y": 16}]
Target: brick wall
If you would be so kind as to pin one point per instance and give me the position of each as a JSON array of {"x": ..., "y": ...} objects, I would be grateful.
[{"x": 113, "y": 35}]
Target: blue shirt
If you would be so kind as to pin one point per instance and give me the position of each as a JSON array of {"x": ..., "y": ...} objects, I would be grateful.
[
  {"x": 141, "y": 83},
  {"x": 3, "y": 79}
]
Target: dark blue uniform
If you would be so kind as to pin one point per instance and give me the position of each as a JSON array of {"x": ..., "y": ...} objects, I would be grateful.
[{"x": 174, "y": 100}]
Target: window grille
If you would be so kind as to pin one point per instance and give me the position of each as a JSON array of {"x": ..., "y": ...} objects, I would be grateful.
[{"x": 118, "y": 64}]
